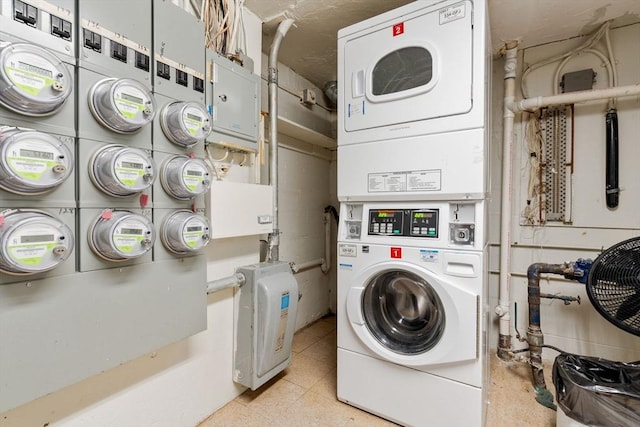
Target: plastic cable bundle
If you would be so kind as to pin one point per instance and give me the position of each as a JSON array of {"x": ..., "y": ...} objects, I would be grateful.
[{"x": 598, "y": 392}]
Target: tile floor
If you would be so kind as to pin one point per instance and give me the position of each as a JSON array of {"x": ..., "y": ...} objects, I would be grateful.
[{"x": 305, "y": 393}]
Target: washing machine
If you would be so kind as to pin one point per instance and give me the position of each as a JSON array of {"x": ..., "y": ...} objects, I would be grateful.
[
  {"x": 412, "y": 311},
  {"x": 419, "y": 69}
]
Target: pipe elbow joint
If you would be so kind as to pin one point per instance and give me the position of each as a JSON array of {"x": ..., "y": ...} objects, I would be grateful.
[
  {"x": 325, "y": 267},
  {"x": 501, "y": 310}
]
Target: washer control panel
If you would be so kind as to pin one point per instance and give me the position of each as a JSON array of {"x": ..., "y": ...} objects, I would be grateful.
[{"x": 404, "y": 222}]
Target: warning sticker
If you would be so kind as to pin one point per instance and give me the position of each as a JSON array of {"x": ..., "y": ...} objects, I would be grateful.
[
  {"x": 428, "y": 255},
  {"x": 284, "y": 315}
]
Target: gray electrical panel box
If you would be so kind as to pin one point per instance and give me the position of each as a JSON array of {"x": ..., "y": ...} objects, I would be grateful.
[
  {"x": 266, "y": 323},
  {"x": 233, "y": 99},
  {"x": 86, "y": 283}
]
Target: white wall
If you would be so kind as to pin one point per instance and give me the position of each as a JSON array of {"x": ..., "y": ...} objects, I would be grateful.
[
  {"x": 180, "y": 385},
  {"x": 304, "y": 193},
  {"x": 574, "y": 328}
]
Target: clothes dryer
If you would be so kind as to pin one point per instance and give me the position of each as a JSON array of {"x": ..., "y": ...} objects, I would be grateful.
[
  {"x": 411, "y": 312},
  {"x": 419, "y": 69}
]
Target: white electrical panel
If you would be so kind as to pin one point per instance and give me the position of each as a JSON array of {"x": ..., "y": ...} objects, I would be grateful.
[{"x": 239, "y": 209}]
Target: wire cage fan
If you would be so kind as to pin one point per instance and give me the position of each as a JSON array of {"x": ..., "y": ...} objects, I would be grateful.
[{"x": 613, "y": 285}]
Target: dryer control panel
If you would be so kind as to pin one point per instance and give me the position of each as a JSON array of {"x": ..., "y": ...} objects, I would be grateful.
[{"x": 404, "y": 222}]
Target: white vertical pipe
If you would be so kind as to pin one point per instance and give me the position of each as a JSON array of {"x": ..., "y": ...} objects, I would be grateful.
[
  {"x": 503, "y": 308},
  {"x": 274, "y": 237}
]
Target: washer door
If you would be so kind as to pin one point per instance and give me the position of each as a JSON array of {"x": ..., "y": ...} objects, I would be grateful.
[{"x": 408, "y": 315}]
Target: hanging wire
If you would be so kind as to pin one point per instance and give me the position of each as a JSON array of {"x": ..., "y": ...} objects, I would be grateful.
[
  {"x": 588, "y": 44},
  {"x": 224, "y": 26},
  {"x": 533, "y": 136}
]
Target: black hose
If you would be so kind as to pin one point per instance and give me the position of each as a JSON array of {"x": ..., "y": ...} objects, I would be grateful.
[
  {"x": 334, "y": 212},
  {"x": 612, "y": 190},
  {"x": 555, "y": 348}
]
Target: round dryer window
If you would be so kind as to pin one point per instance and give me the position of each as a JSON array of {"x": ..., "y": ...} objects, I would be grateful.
[
  {"x": 33, "y": 82},
  {"x": 403, "y": 312}
]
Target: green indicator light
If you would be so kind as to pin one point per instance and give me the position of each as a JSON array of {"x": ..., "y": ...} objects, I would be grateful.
[{"x": 432, "y": 232}]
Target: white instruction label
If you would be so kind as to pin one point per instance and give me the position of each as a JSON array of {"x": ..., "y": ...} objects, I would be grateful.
[
  {"x": 426, "y": 180},
  {"x": 355, "y": 109}
]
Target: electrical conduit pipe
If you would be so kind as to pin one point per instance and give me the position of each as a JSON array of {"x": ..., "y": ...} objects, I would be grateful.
[
  {"x": 237, "y": 279},
  {"x": 274, "y": 236}
]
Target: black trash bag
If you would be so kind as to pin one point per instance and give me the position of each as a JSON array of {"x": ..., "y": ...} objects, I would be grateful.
[{"x": 598, "y": 392}]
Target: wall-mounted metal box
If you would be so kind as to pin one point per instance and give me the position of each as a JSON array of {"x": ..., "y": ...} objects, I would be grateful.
[
  {"x": 266, "y": 322},
  {"x": 233, "y": 98},
  {"x": 239, "y": 209}
]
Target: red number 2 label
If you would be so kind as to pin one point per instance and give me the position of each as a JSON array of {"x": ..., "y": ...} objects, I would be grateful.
[{"x": 398, "y": 29}]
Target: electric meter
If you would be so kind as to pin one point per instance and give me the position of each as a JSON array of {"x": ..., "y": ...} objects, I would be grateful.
[
  {"x": 122, "y": 105},
  {"x": 32, "y": 162},
  {"x": 32, "y": 242},
  {"x": 185, "y": 232},
  {"x": 185, "y": 123},
  {"x": 121, "y": 235},
  {"x": 122, "y": 171},
  {"x": 185, "y": 178},
  {"x": 33, "y": 82}
]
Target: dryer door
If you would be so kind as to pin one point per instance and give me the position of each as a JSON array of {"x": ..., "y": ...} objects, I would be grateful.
[
  {"x": 409, "y": 69},
  {"x": 408, "y": 315}
]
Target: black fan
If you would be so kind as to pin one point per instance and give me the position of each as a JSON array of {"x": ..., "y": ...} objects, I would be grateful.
[{"x": 613, "y": 285}]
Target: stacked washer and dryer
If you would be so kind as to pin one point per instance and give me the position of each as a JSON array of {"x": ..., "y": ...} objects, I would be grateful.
[{"x": 413, "y": 128}]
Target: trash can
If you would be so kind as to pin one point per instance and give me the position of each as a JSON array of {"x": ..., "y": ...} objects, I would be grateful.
[{"x": 597, "y": 392}]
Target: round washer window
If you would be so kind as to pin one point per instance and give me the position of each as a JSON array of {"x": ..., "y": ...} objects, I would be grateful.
[{"x": 403, "y": 312}]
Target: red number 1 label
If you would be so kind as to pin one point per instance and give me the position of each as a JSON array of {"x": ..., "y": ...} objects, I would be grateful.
[
  {"x": 396, "y": 252},
  {"x": 398, "y": 29}
]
